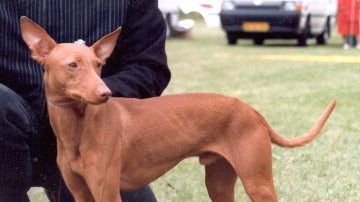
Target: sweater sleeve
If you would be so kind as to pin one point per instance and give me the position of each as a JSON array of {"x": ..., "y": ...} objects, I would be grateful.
[{"x": 138, "y": 66}]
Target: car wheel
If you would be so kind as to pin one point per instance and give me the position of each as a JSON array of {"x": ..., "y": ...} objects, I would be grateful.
[
  {"x": 258, "y": 41},
  {"x": 323, "y": 38},
  {"x": 303, "y": 37},
  {"x": 231, "y": 37}
]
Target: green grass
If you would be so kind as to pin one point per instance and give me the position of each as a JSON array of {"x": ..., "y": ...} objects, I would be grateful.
[{"x": 291, "y": 89}]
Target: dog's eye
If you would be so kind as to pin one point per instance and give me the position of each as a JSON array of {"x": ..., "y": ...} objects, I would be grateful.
[{"x": 73, "y": 65}]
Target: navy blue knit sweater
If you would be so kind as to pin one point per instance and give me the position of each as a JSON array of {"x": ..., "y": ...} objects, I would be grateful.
[{"x": 137, "y": 67}]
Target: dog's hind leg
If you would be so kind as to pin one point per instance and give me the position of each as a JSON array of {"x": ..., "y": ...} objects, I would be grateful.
[
  {"x": 253, "y": 164},
  {"x": 220, "y": 180}
]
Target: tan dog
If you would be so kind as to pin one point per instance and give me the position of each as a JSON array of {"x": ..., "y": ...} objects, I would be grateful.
[{"x": 107, "y": 144}]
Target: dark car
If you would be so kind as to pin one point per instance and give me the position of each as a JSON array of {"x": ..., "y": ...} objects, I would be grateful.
[{"x": 278, "y": 19}]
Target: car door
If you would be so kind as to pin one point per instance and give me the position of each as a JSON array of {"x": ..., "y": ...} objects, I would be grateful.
[{"x": 321, "y": 12}]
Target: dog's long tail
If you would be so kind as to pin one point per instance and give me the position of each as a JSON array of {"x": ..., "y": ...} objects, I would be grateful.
[{"x": 305, "y": 138}]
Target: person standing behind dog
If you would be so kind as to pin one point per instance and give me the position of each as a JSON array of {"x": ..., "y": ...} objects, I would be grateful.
[
  {"x": 348, "y": 21},
  {"x": 137, "y": 68}
]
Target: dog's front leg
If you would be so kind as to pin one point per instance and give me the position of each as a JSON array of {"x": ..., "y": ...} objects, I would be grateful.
[
  {"x": 103, "y": 181},
  {"x": 75, "y": 183}
]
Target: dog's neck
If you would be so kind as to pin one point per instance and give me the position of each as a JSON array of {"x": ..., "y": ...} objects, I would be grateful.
[
  {"x": 70, "y": 104},
  {"x": 77, "y": 106},
  {"x": 66, "y": 119}
]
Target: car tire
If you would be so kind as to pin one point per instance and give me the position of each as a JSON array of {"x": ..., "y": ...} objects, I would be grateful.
[
  {"x": 323, "y": 38},
  {"x": 258, "y": 41},
  {"x": 232, "y": 38},
  {"x": 304, "y": 35}
]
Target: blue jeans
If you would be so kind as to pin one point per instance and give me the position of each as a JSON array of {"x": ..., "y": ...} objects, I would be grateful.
[{"x": 28, "y": 155}]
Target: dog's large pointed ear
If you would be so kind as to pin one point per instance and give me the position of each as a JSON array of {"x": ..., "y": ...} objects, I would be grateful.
[
  {"x": 38, "y": 41},
  {"x": 104, "y": 47}
]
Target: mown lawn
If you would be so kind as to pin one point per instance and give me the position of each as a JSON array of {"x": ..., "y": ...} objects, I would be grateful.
[{"x": 290, "y": 86}]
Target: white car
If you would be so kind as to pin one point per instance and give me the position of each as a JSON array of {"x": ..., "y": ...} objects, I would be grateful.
[
  {"x": 208, "y": 9},
  {"x": 286, "y": 19}
]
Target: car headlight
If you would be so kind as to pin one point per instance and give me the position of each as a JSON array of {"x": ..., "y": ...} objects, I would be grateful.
[
  {"x": 228, "y": 5},
  {"x": 292, "y": 6}
]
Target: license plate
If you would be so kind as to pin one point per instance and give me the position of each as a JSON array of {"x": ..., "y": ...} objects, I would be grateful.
[{"x": 256, "y": 26}]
